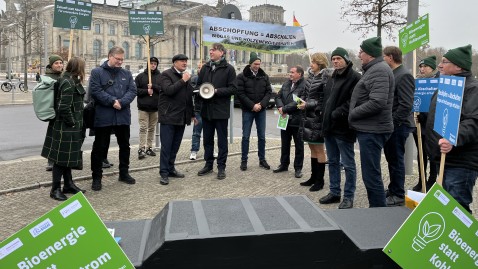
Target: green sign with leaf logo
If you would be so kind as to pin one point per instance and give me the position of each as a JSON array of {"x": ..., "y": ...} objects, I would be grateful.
[
  {"x": 439, "y": 233},
  {"x": 146, "y": 23},
  {"x": 70, "y": 14},
  {"x": 69, "y": 236},
  {"x": 414, "y": 35}
]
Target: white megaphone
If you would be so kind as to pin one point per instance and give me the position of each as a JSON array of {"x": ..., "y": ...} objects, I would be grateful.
[{"x": 206, "y": 90}]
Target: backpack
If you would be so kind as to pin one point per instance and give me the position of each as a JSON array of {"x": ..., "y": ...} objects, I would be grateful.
[{"x": 44, "y": 94}]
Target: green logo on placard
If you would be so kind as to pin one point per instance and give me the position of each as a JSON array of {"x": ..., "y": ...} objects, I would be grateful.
[
  {"x": 414, "y": 35},
  {"x": 438, "y": 234},
  {"x": 146, "y": 23},
  {"x": 72, "y": 14},
  {"x": 69, "y": 236}
]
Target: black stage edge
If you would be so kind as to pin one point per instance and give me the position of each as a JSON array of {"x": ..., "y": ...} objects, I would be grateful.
[{"x": 260, "y": 232}]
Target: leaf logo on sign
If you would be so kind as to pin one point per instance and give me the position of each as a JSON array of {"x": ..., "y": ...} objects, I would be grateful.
[
  {"x": 404, "y": 39},
  {"x": 146, "y": 28},
  {"x": 73, "y": 21},
  {"x": 431, "y": 227}
]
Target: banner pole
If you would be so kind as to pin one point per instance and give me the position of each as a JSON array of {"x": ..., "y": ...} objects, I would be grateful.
[
  {"x": 200, "y": 41},
  {"x": 442, "y": 169},
  {"x": 149, "y": 60},
  {"x": 70, "y": 47},
  {"x": 420, "y": 154}
]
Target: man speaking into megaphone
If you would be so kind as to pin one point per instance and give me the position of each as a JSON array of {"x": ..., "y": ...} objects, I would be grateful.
[{"x": 215, "y": 110}]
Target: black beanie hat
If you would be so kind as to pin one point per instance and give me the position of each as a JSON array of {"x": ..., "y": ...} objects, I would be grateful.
[
  {"x": 154, "y": 59},
  {"x": 53, "y": 58},
  {"x": 430, "y": 61},
  {"x": 342, "y": 53},
  {"x": 253, "y": 58},
  {"x": 460, "y": 56},
  {"x": 372, "y": 46}
]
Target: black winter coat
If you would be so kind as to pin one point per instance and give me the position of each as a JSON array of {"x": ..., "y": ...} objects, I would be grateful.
[
  {"x": 285, "y": 100},
  {"x": 145, "y": 102},
  {"x": 312, "y": 114},
  {"x": 337, "y": 94},
  {"x": 253, "y": 89},
  {"x": 402, "y": 109},
  {"x": 175, "y": 99},
  {"x": 223, "y": 78}
]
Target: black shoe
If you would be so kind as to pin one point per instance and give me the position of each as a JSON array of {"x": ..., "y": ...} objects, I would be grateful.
[
  {"x": 394, "y": 200},
  {"x": 280, "y": 168},
  {"x": 126, "y": 178},
  {"x": 308, "y": 183},
  {"x": 49, "y": 168},
  {"x": 243, "y": 165},
  {"x": 298, "y": 173},
  {"x": 106, "y": 164},
  {"x": 164, "y": 180},
  {"x": 206, "y": 170},
  {"x": 346, "y": 203},
  {"x": 330, "y": 199},
  {"x": 141, "y": 154},
  {"x": 417, "y": 187},
  {"x": 264, "y": 164},
  {"x": 221, "y": 174},
  {"x": 72, "y": 189},
  {"x": 316, "y": 187},
  {"x": 96, "y": 185},
  {"x": 58, "y": 195},
  {"x": 150, "y": 152},
  {"x": 176, "y": 174}
]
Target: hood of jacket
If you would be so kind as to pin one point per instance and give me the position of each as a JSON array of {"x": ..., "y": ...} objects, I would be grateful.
[{"x": 248, "y": 72}]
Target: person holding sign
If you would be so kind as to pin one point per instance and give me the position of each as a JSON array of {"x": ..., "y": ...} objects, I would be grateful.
[
  {"x": 113, "y": 90},
  {"x": 339, "y": 138},
  {"x": 254, "y": 91},
  {"x": 461, "y": 162},
  {"x": 287, "y": 106},
  {"x": 215, "y": 111},
  {"x": 403, "y": 123},
  {"x": 371, "y": 116},
  {"x": 311, "y": 124},
  {"x": 63, "y": 147},
  {"x": 427, "y": 69},
  {"x": 148, "y": 96}
]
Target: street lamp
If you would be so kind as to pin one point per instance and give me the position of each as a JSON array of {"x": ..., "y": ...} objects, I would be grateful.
[
  {"x": 9, "y": 40},
  {"x": 45, "y": 35}
]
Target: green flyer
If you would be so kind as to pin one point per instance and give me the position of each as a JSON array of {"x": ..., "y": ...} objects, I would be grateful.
[
  {"x": 439, "y": 233},
  {"x": 282, "y": 122},
  {"x": 69, "y": 236}
]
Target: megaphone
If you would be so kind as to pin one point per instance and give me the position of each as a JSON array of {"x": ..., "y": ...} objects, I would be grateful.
[{"x": 206, "y": 90}]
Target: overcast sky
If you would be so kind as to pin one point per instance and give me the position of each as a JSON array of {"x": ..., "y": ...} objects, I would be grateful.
[{"x": 452, "y": 23}]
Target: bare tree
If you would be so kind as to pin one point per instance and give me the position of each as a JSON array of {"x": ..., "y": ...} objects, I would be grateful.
[
  {"x": 365, "y": 16},
  {"x": 21, "y": 13}
]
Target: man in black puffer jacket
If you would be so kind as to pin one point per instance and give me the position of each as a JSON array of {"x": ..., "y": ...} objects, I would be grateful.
[
  {"x": 147, "y": 97},
  {"x": 254, "y": 91}
]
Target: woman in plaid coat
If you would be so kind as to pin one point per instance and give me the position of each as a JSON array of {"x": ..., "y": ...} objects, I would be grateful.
[{"x": 63, "y": 147}]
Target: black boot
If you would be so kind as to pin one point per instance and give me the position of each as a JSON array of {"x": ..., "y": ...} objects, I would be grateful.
[
  {"x": 68, "y": 184},
  {"x": 319, "y": 182},
  {"x": 55, "y": 192},
  {"x": 313, "y": 168},
  {"x": 418, "y": 187}
]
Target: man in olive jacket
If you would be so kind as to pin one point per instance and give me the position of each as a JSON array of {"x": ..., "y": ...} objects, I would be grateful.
[
  {"x": 175, "y": 111},
  {"x": 215, "y": 111},
  {"x": 370, "y": 115},
  {"x": 254, "y": 91}
]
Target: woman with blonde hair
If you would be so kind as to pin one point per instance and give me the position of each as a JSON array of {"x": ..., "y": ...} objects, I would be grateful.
[
  {"x": 65, "y": 138},
  {"x": 311, "y": 124}
]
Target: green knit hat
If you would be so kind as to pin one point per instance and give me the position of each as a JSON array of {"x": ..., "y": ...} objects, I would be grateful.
[
  {"x": 460, "y": 56},
  {"x": 372, "y": 46},
  {"x": 253, "y": 58},
  {"x": 430, "y": 61},
  {"x": 342, "y": 53},
  {"x": 53, "y": 58}
]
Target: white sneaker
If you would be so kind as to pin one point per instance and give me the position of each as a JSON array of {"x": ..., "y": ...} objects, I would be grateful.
[
  {"x": 215, "y": 154},
  {"x": 193, "y": 155}
]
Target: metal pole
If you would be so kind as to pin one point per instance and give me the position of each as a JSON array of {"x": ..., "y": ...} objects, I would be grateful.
[{"x": 45, "y": 38}]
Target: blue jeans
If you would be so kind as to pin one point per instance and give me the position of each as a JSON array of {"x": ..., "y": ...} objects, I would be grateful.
[
  {"x": 371, "y": 146},
  {"x": 459, "y": 183},
  {"x": 248, "y": 118},
  {"x": 197, "y": 129},
  {"x": 171, "y": 137},
  {"x": 341, "y": 151},
  {"x": 394, "y": 150}
]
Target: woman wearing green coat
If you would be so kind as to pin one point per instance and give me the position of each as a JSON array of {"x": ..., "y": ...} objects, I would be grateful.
[{"x": 63, "y": 142}]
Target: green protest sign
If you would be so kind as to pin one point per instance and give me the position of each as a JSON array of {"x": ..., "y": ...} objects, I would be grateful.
[
  {"x": 70, "y": 14},
  {"x": 146, "y": 23},
  {"x": 69, "y": 236},
  {"x": 414, "y": 35},
  {"x": 438, "y": 234}
]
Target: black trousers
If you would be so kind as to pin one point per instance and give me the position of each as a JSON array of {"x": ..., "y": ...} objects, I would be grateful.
[
  {"x": 220, "y": 127},
  {"x": 286, "y": 137},
  {"x": 101, "y": 145}
]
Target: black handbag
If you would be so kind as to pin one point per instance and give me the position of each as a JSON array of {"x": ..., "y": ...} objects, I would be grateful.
[{"x": 89, "y": 114}]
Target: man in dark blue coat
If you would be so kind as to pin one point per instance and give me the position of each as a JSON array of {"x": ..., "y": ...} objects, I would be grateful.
[{"x": 113, "y": 89}]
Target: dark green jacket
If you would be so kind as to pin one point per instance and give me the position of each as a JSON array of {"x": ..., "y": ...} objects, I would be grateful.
[{"x": 65, "y": 134}]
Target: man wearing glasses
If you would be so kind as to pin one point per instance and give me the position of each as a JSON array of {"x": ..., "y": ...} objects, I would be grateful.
[
  {"x": 461, "y": 162},
  {"x": 215, "y": 111},
  {"x": 113, "y": 89},
  {"x": 371, "y": 116}
]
